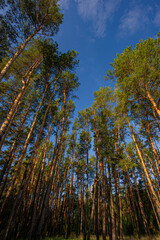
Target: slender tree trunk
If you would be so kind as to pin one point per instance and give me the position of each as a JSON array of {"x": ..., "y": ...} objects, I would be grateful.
[
  {"x": 128, "y": 204},
  {"x": 12, "y": 151},
  {"x": 153, "y": 103},
  {"x": 112, "y": 207},
  {"x": 117, "y": 201},
  {"x": 33, "y": 174},
  {"x": 31, "y": 130},
  {"x": 156, "y": 201},
  {"x": 131, "y": 215},
  {"x": 156, "y": 118},
  {"x": 40, "y": 133},
  {"x": 97, "y": 199},
  {"x": 46, "y": 201},
  {"x": 19, "y": 163},
  {"x": 87, "y": 193},
  {"x": 150, "y": 197},
  {"x": 103, "y": 200},
  {"x": 8, "y": 127},
  {"x": 92, "y": 210},
  {"x": 145, "y": 223},
  {"x": 120, "y": 211},
  {"x": 16, "y": 55},
  {"x": 84, "y": 207},
  {"x": 81, "y": 204},
  {"x": 41, "y": 199},
  {"x": 16, "y": 103},
  {"x": 71, "y": 188},
  {"x": 115, "y": 184},
  {"x": 133, "y": 202},
  {"x": 156, "y": 155},
  {"x": 37, "y": 192}
]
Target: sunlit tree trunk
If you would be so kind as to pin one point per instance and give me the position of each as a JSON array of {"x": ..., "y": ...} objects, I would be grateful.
[
  {"x": 10, "y": 159},
  {"x": 139, "y": 199},
  {"x": 20, "y": 95},
  {"x": 156, "y": 155},
  {"x": 155, "y": 198},
  {"x": 156, "y": 118},
  {"x": 20, "y": 50},
  {"x": 153, "y": 103},
  {"x": 36, "y": 195},
  {"x": 59, "y": 144},
  {"x": 19, "y": 163},
  {"x": 150, "y": 197}
]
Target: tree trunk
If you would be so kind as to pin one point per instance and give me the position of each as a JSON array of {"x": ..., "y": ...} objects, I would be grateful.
[
  {"x": 16, "y": 103},
  {"x": 20, "y": 163},
  {"x": 16, "y": 55},
  {"x": 141, "y": 207},
  {"x": 153, "y": 103},
  {"x": 156, "y": 155},
  {"x": 92, "y": 210},
  {"x": 112, "y": 207},
  {"x": 46, "y": 201},
  {"x": 97, "y": 199},
  {"x": 155, "y": 198},
  {"x": 12, "y": 151},
  {"x": 120, "y": 212},
  {"x": 150, "y": 197},
  {"x": 103, "y": 200},
  {"x": 133, "y": 202}
]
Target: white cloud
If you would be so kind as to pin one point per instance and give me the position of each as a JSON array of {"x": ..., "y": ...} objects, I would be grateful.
[
  {"x": 98, "y": 12},
  {"x": 133, "y": 20}
]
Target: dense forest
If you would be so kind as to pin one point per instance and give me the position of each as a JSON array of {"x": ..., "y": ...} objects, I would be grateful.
[{"x": 96, "y": 174}]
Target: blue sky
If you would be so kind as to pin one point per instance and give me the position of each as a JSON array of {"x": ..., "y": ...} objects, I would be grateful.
[{"x": 98, "y": 30}]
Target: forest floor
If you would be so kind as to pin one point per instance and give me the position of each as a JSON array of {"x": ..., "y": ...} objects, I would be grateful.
[{"x": 157, "y": 237}]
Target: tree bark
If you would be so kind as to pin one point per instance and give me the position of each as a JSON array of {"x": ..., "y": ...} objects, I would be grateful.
[
  {"x": 12, "y": 151},
  {"x": 120, "y": 212},
  {"x": 92, "y": 210},
  {"x": 145, "y": 223},
  {"x": 112, "y": 207},
  {"x": 16, "y": 55},
  {"x": 153, "y": 103},
  {"x": 16, "y": 103},
  {"x": 46, "y": 201},
  {"x": 155, "y": 198}
]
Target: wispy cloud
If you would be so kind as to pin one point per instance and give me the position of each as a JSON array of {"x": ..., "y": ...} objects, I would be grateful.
[
  {"x": 87, "y": 8},
  {"x": 133, "y": 20},
  {"x": 64, "y": 4},
  {"x": 98, "y": 12},
  {"x": 157, "y": 18}
]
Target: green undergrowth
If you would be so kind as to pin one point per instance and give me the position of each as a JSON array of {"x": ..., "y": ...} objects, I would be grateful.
[{"x": 125, "y": 238}]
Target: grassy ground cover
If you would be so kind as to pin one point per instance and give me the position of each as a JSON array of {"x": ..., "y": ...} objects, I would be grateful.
[{"x": 157, "y": 237}]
